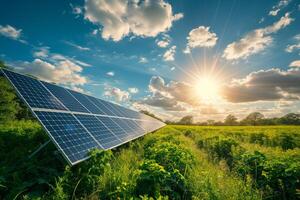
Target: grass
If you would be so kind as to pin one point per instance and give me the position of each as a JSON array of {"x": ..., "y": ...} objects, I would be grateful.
[{"x": 175, "y": 162}]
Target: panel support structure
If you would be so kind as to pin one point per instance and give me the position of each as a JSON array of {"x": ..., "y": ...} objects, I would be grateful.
[{"x": 38, "y": 149}]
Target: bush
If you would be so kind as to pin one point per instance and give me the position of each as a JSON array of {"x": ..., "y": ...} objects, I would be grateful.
[
  {"x": 283, "y": 177},
  {"x": 155, "y": 181},
  {"x": 258, "y": 138},
  {"x": 286, "y": 141},
  {"x": 252, "y": 164},
  {"x": 219, "y": 148},
  {"x": 83, "y": 179},
  {"x": 171, "y": 156}
]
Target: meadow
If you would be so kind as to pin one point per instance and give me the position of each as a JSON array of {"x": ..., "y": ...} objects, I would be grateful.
[{"x": 175, "y": 162}]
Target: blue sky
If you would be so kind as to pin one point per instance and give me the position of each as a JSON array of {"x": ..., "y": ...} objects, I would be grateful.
[{"x": 173, "y": 58}]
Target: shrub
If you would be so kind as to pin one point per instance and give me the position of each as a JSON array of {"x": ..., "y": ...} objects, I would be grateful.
[
  {"x": 171, "y": 156},
  {"x": 287, "y": 141},
  {"x": 252, "y": 164},
  {"x": 283, "y": 177},
  {"x": 258, "y": 138},
  {"x": 189, "y": 134},
  {"x": 83, "y": 179},
  {"x": 219, "y": 148},
  {"x": 155, "y": 181}
]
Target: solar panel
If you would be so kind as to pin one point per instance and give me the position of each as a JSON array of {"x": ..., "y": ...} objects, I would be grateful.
[
  {"x": 70, "y": 136},
  {"x": 100, "y": 132},
  {"x": 33, "y": 92},
  {"x": 65, "y": 97},
  {"x": 78, "y": 123}
]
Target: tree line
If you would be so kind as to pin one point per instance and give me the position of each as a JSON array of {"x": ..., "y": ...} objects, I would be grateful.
[{"x": 253, "y": 119}]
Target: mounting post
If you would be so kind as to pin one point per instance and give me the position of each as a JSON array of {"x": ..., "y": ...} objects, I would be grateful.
[{"x": 38, "y": 149}]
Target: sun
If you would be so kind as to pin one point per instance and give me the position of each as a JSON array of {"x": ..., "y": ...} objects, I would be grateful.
[{"x": 207, "y": 89}]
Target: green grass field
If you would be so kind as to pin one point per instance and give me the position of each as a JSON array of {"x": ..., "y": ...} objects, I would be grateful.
[{"x": 175, "y": 162}]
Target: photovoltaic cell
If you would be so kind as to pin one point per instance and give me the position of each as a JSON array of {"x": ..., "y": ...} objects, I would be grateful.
[
  {"x": 84, "y": 100},
  {"x": 34, "y": 93},
  {"x": 70, "y": 136},
  {"x": 65, "y": 97},
  {"x": 100, "y": 132},
  {"x": 115, "y": 128},
  {"x": 78, "y": 123},
  {"x": 104, "y": 110}
]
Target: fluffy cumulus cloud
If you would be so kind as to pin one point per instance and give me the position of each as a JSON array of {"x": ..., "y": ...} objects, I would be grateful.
[
  {"x": 116, "y": 93},
  {"x": 281, "y": 4},
  {"x": 265, "y": 85},
  {"x": 255, "y": 41},
  {"x": 200, "y": 37},
  {"x": 140, "y": 18},
  {"x": 62, "y": 72},
  {"x": 295, "y": 63},
  {"x": 55, "y": 68},
  {"x": 169, "y": 54}
]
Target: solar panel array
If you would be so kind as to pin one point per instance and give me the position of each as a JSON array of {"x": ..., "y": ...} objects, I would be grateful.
[{"x": 78, "y": 123}]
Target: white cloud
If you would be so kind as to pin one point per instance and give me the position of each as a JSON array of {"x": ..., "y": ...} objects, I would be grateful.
[
  {"x": 118, "y": 94},
  {"x": 121, "y": 18},
  {"x": 143, "y": 60},
  {"x": 111, "y": 73},
  {"x": 95, "y": 31},
  {"x": 53, "y": 67},
  {"x": 11, "y": 32},
  {"x": 172, "y": 68},
  {"x": 295, "y": 63},
  {"x": 42, "y": 52},
  {"x": 164, "y": 41},
  {"x": 169, "y": 54},
  {"x": 274, "y": 12},
  {"x": 293, "y": 47},
  {"x": 62, "y": 72},
  {"x": 255, "y": 41},
  {"x": 281, "y": 4},
  {"x": 133, "y": 90},
  {"x": 81, "y": 48},
  {"x": 200, "y": 37},
  {"x": 178, "y": 16},
  {"x": 57, "y": 57}
]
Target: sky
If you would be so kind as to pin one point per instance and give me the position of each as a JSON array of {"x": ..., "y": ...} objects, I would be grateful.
[{"x": 207, "y": 58}]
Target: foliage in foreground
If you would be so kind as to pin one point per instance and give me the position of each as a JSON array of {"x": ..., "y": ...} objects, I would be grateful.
[{"x": 276, "y": 175}]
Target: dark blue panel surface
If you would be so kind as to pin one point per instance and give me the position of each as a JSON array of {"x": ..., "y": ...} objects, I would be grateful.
[
  {"x": 35, "y": 94},
  {"x": 115, "y": 128},
  {"x": 83, "y": 99},
  {"x": 100, "y": 132},
  {"x": 129, "y": 129},
  {"x": 100, "y": 106},
  {"x": 69, "y": 135},
  {"x": 65, "y": 97}
]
